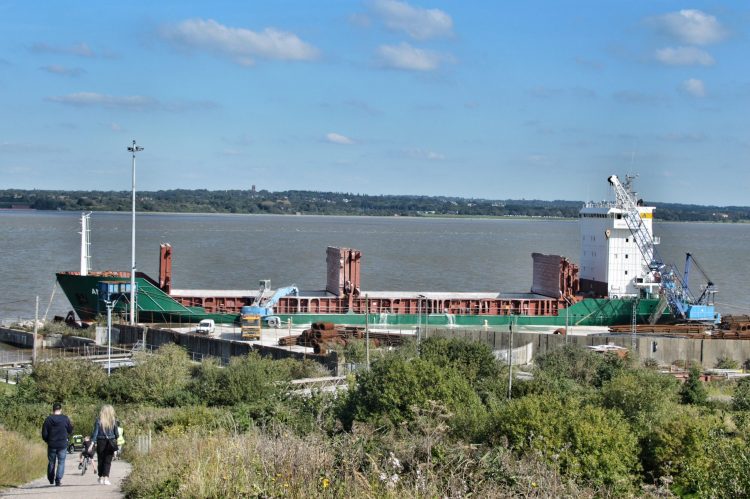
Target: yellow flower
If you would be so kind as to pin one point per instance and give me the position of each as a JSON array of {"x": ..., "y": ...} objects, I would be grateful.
[{"x": 325, "y": 483}]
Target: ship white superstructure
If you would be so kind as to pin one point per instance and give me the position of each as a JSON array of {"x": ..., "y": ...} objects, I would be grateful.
[{"x": 611, "y": 262}]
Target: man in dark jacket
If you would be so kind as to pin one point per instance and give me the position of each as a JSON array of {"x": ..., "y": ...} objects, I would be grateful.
[{"x": 56, "y": 430}]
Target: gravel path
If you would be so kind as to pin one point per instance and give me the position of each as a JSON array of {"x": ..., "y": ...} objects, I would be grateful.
[{"x": 74, "y": 485}]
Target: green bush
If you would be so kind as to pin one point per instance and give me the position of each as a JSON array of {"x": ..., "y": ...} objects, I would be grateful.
[
  {"x": 587, "y": 368},
  {"x": 590, "y": 444},
  {"x": 741, "y": 399},
  {"x": 726, "y": 362},
  {"x": 693, "y": 391},
  {"x": 159, "y": 378},
  {"x": 475, "y": 361},
  {"x": 395, "y": 386},
  {"x": 676, "y": 446},
  {"x": 246, "y": 380},
  {"x": 62, "y": 380},
  {"x": 721, "y": 471},
  {"x": 642, "y": 395}
]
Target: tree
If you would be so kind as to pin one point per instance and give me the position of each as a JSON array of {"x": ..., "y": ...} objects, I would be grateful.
[{"x": 693, "y": 391}]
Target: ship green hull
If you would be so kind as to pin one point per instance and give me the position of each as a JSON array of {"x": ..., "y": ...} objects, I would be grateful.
[{"x": 155, "y": 306}]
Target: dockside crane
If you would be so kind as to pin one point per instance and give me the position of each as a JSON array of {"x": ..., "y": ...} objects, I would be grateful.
[{"x": 673, "y": 289}]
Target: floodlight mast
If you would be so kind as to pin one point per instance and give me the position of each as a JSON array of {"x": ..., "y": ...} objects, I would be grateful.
[{"x": 133, "y": 149}]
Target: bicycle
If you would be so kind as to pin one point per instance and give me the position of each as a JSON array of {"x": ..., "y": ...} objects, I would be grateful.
[{"x": 87, "y": 461}]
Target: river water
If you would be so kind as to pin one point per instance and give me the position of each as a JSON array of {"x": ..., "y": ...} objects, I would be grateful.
[{"x": 399, "y": 253}]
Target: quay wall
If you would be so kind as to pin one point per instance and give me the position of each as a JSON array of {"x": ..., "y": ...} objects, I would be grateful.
[
  {"x": 24, "y": 339},
  {"x": 202, "y": 346},
  {"x": 665, "y": 350}
]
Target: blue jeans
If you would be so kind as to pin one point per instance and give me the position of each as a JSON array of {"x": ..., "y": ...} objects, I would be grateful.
[{"x": 58, "y": 456}]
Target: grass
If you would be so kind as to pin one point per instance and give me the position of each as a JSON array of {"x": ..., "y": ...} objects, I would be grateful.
[
  {"x": 22, "y": 460},
  {"x": 273, "y": 462}
]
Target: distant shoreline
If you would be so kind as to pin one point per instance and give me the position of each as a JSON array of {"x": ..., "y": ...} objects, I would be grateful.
[{"x": 352, "y": 215}]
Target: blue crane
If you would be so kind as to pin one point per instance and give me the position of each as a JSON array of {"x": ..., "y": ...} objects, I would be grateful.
[{"x": 265, "y": 308}]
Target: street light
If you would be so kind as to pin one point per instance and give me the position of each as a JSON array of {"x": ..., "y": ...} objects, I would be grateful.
[
  {"x": 133, "y": 149},
  {"x": 108, "y": 291},
  {"x": 419, "y": 317}
]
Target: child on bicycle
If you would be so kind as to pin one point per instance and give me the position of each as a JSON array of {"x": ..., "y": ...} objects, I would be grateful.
[{"x": 88, "y": 451}]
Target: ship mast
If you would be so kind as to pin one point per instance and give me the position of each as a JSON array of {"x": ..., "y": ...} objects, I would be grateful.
[{"x": 85, "y": 243}]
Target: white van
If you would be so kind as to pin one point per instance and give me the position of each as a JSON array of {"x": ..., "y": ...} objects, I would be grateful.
[{"x": 206, "y": 326}]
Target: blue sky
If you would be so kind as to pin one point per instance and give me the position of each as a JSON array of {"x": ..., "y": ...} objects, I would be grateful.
[{"x": 476, "y": 99}]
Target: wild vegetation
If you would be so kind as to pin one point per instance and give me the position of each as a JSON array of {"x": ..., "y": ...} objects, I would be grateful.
[
  {"x": 23, "y": 459},
  {"x": 432, "y": 421},
  {"x": 332, "y": 203}
]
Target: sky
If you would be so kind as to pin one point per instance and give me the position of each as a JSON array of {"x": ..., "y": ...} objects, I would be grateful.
[{"x": 481, "y": 99}]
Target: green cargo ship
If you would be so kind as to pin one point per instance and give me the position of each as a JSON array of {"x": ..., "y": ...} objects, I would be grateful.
[{"x": 616, "y": 282}]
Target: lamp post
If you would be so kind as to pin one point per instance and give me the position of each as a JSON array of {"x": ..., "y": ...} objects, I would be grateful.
[
  {"x": 133, "y": 149},
  {"x": 110, "y": 303},
  {"x": 510, "y": 357},
  {"x": 419, "y": 318}
]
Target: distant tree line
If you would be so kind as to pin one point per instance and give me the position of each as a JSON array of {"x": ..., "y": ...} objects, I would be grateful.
[{"x": 333, "y": 203}]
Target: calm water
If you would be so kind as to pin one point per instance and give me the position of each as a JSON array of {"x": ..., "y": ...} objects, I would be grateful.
[{"x": 407, "y": 254}]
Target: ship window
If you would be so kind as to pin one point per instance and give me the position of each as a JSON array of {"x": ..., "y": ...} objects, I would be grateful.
[
  {"x": 626, "y": 239},
  {"x": 626, "y": 272},
  {"x": 626, "y": 256}
]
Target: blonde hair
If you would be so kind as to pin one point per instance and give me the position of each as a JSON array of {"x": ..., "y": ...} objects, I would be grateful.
[{"x": 107, "y": 417}]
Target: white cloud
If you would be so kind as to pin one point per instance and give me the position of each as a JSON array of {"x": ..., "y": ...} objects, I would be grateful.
[
  {"x": 417, "y": 22},
  {"x": 424, "y": 154},
  {"x": 684, "y": 56},
  {"x": 80, "y": 49},
  {"x": 93, "y": 99},
  {"x": 62, "y": 70},
  {"x": 337, "y": 138},
  {"x": 241, "y": 45},
  {"x": 694, "y": 87},
  {"x": 404, "y": 56},
  {"x": 127, "y": 102},
  {"x": 683, "y": 137},
  {"x": 691, "y": 26}
]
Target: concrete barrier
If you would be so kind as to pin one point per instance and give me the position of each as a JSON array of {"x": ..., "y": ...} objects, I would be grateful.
[
  {"x": 202, "y": 346},
  {"x": 663, "y": 349}
]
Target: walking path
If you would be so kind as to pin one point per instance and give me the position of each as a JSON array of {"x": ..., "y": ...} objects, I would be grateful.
[{"x": 74, "y": 485}]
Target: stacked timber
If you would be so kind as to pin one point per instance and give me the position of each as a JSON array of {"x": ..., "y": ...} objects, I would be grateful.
[{"x": 323, "y": 336}]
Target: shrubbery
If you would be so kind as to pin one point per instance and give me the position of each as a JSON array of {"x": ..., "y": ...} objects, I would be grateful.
[{"x": 430, "y": 421}]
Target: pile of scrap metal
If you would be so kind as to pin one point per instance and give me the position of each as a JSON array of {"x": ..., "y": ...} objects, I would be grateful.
[
  {"x": 323, "y": 336},
  {"x": 734, "y": 326},
  {"x": 685, "y": 330}
]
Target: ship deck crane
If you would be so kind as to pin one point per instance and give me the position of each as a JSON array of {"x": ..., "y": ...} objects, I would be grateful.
[
  {"x": 673, "y": 288},
  {"x": 264, "y": 309}
]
